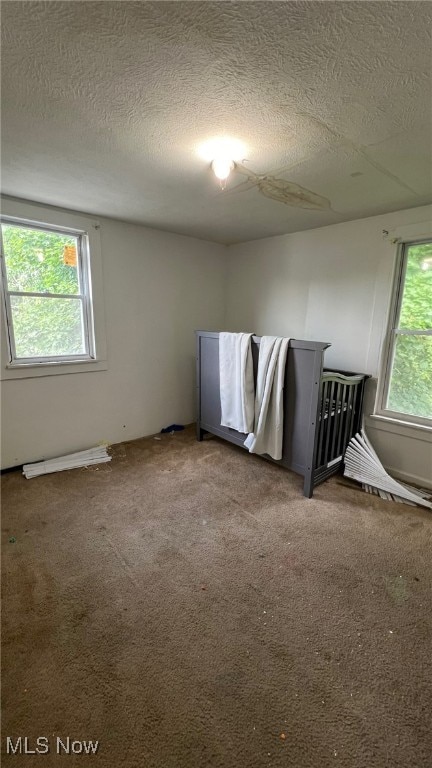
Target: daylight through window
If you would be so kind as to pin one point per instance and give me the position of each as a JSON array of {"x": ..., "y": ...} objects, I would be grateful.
[
  {"x": 46, "y": 293},
  {"x": 408, "y": 387}
]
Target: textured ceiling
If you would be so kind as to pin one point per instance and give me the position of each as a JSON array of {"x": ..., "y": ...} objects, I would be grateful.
[{"x": 106, "y": 103}]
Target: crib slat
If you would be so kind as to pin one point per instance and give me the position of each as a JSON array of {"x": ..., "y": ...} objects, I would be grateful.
[
  {"x": 343, "y": 418},
  {"x": 328, "y": 424},
  {"x": 324, "y": 390},
  {"x": 352, "y": 413},
  {"x": 323, "y": 421},
  {"x": 347, "y": 435},
  {"x": 336, "y": 420}
]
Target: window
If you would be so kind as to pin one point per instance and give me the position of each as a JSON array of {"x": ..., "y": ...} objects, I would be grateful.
[
  {"x": 407, "y": 386},
  {"x": 53, "y": 318},
  {"x": 46, "y": 287}
]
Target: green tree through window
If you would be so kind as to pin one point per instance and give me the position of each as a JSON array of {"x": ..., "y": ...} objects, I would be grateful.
[
  {"x": 46, "y": 302},
  {"x": 410, "y": 387}
]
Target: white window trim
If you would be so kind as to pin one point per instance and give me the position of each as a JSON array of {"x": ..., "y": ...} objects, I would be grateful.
[
  {"x": 401, "y": 238},
  {"x": 89, "y": 229}
]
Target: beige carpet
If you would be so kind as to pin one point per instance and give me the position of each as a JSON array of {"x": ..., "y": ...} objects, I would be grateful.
[{"x": 185, "y": 606}]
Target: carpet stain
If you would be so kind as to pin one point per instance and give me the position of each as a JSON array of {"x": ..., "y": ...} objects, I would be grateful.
[{"x": 397, "y": 588}]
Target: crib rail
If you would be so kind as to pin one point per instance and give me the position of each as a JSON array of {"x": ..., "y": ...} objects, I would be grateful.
[{"x": 341, "y": 399}]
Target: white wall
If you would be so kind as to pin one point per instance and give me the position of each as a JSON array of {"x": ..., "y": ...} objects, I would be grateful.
[
  {"x": 158, "y": 289},
  {"x": 331, "y": 284}
]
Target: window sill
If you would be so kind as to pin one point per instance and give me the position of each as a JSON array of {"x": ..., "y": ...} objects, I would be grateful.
[
  {"x": 400, "y": 427},
  {"x": 35, "y": 370}
]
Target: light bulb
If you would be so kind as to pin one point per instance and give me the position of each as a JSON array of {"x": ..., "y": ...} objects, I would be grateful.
[
  {"x": 223, "y": 153},
  {"x": 222, "y": 167}
]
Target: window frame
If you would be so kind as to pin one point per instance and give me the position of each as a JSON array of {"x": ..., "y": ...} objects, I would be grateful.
[
  {"x": 84, "y": 296},
  {"x": 393, "y": 331},
  {"x": 37, "y": 216}
]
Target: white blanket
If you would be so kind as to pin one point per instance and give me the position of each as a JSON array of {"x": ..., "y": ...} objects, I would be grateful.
[
  {"x": 267, "y": 435},
  {"x": 236, "y": 381}
]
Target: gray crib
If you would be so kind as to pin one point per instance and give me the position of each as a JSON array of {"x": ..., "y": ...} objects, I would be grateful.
[{"x": 322, "y": 408}]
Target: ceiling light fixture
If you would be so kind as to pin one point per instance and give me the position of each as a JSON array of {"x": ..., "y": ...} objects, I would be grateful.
[
  {"x": 222, "y": 153},
  {"x": 222, "y": 167}
]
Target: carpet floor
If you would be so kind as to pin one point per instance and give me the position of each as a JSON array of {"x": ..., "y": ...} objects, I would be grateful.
[{"x": 186, "y": 607}]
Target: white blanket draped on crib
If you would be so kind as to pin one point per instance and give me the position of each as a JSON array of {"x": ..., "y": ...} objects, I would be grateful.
[
  {"x": 267, "y": 434},
  {"x": 236, "y": 381}
]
